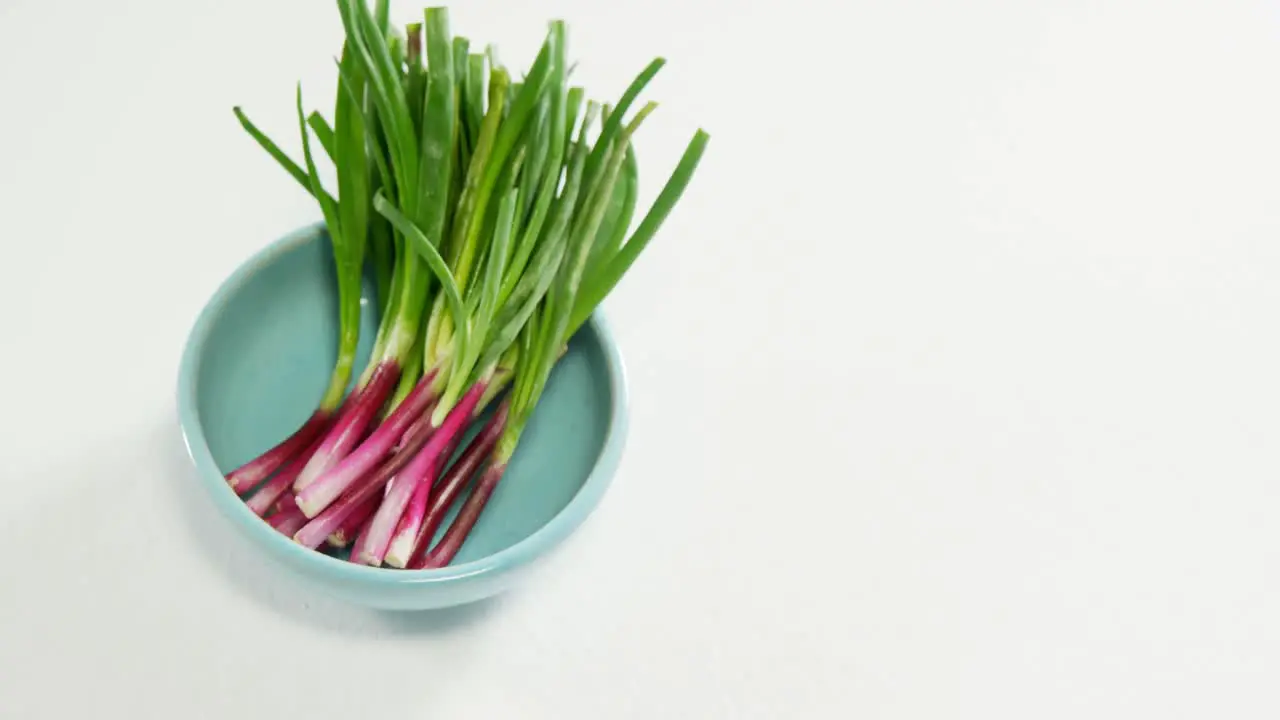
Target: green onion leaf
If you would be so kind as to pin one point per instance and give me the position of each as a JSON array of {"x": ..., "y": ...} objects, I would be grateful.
[
  {"x": 473, "y": 114},
  {"x": 533, "y": 286},
  {"x": 274, "y": 151},
  {"x": 439, "y": 116},
  {"x": 323, "y": 132},
  {"x": 327, "y": 204},
  {"x": 601, "y": 283},
  {"x": 470, "y": 210},
  {"x": 610, "y": 127},
  {"x": 427, "y": 250},
  {"x": 617, "y": 218}
]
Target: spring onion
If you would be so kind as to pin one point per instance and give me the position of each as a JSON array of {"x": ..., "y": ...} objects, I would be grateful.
[{"x": 493, "y": 214}]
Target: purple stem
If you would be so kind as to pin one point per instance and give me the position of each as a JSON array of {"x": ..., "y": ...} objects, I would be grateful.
[
  {"x": 288, "y": 522},
  {"x": 371, "y": 485},
  {"x": 286, "y": 499},
  {"x": 354, "y": 523},
  {"x": 451, "y": 485},
  {"x": 285, "y": 502},
  {"x": 260, "y": 468},
  {"x": 448, "y": 547},
  {"x": 423, "y": 420},
  {"x": 400, "y": 549},
  {"x": 361, "y": 537},
  {"x": 326, "y": 487},
  {"x": 422, "y": 469},
  {"x": 349, "y": 430},
  {"x": 273, "y": 491}
]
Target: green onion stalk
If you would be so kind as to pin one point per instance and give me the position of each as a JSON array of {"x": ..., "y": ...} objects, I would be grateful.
[
  {"x": 415, "y": 113},
  {"x": 480, "y": 308},
  {"x": 493, "y": 224},
  {"x": 357, "y": 147},
  {"x": 593, "y": 267},
  {"x": 420, "y": 120},
  {"x": 347, "y": 222},
  {"x": 463, "y": 342}
]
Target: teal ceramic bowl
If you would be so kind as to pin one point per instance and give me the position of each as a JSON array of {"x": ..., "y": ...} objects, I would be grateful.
[{"x": 254, "y": 368}]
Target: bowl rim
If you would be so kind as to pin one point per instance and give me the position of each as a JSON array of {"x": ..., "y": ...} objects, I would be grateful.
[{"x": 538, "y": 543}]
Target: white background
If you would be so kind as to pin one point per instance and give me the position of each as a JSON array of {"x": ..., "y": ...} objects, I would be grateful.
[{"x": 955, "y": 374}]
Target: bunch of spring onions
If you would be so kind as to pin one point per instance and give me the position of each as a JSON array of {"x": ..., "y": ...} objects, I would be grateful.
[{"x": 494, "y": 213}]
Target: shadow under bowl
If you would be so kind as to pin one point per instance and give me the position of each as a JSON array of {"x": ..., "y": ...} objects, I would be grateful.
[{"x": 258, "y": 360}]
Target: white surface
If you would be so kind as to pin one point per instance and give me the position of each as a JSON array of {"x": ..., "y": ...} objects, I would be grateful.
[{"x": 955, "y": 374}]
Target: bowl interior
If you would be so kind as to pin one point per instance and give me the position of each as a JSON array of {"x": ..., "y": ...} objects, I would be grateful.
[{"x": 271, "y": 347}]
